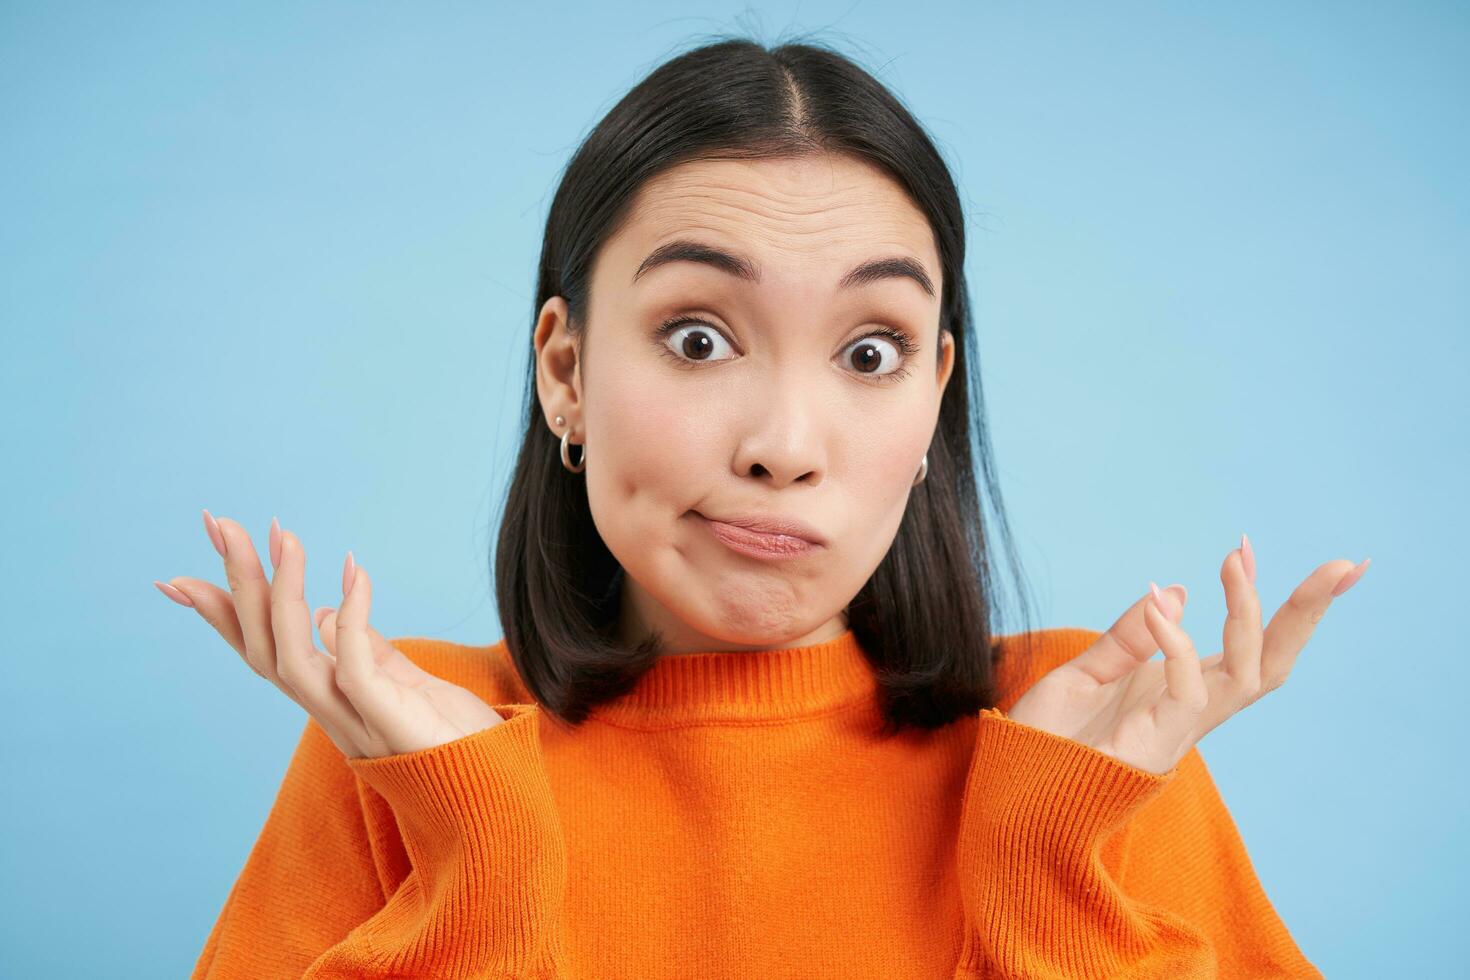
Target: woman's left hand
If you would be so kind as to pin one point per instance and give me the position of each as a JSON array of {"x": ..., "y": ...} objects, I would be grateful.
[{"x": 1150, "y": 713}]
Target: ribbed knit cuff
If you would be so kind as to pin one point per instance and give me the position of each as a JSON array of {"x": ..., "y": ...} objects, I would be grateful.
[
  {"x": 1050, "y": 786},
  {"x": 481, "y": 830},
  {"x": 485, "y": 781},
  {"x": 1036, "y": 808}
]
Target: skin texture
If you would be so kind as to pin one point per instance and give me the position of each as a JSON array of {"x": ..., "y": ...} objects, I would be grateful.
[
  {"x": 779, "y": 414},
  {"x": 776, "y": 420}
]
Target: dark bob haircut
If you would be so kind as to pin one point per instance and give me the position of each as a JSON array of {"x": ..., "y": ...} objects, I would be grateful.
[{"x": 924, "y": 617}]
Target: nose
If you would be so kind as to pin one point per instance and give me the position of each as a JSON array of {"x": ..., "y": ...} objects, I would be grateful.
[{"x": 783, "y": 441}]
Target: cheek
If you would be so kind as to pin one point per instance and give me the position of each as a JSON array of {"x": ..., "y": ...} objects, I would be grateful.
[
  {"x": 645, "y": 464},
  {"x": 646, "y": 432},
  {"x": 876, "y": 466},
  {"x": 882, "y": 457}
]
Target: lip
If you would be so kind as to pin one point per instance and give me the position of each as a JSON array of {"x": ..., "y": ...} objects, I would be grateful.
[{"x": 764, "y": 537}]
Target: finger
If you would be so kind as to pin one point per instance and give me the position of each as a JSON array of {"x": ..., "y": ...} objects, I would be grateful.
[
  {"x": 1293, "y": 624},
  {"x": 1177, "y": 712},
  {"x": 174, "y": 594},
  {"x": 1128, "y": 642},
  {"x": 252, "y": 597},
  {"x": 302, "y": 668},
  {"x": 1242, "y": 631},
  {"x": 373, "y": 695},
  {"x": 216, "y": 607},
  {"x": 391, "y": 660}
]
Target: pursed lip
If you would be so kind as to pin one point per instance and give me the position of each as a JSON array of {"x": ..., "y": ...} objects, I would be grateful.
[{"x": 766, "y": 524}]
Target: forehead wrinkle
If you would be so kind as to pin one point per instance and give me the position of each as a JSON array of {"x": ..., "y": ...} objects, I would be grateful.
[
  {"x": 782, "y": 181},
  {"x": 730, "y": 226},
  {"x": 779, "y": 229},
  {"x": 741, "y": 202},
  {"x": 762, "y": 201},
  {"x": 766, "y": 194}
]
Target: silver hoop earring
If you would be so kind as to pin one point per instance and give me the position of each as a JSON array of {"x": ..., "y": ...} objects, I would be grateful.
[
  {"x": 923, "y": 471},
  {"x": 566, "y": 459}
]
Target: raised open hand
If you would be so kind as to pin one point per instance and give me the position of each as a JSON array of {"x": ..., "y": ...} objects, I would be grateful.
[
  {"x": 368, "y": 697},
  {"x": 1150, "y": 713}
]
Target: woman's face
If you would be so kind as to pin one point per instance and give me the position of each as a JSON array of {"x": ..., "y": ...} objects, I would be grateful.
[{"x": 763, "y": 385}]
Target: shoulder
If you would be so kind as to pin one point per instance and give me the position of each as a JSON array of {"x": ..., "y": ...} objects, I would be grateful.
[
  {"x": 1022, "y": 659},
  {"x": 486, "y": 671}
]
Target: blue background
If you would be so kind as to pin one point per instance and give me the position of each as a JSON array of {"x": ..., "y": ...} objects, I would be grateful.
[{"x": 271, "y": 259}]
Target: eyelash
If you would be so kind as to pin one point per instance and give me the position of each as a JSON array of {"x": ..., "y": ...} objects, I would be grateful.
[{"x": 901, "y": 340}]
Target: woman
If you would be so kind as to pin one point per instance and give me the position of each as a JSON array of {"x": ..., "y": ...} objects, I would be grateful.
[{"x": 749, "y": 717}]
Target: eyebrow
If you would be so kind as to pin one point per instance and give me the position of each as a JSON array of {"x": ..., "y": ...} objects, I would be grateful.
[{"x": 683, "y": 250}]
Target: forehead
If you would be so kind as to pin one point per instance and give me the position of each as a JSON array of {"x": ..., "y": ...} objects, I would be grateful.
[{"x": 814, "y": 209}]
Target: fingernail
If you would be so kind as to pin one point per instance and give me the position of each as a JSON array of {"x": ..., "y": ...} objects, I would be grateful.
[
  {"x": 1351, "y": 578},
  {"x": 275, "y": 543},
  {"x": 173, "y": 593},
  {"x": 321, "y": 613},
  {"x": 349, "y": 574},
  {"x": 1181, "y": 590},
  {"x": 1158, "y": 599},
  {"x": 215, "y": 537},
  {"x": 1248, "y": 558}
]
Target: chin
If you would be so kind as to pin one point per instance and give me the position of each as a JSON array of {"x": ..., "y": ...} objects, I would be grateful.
[{"x": 759, "y": 624}]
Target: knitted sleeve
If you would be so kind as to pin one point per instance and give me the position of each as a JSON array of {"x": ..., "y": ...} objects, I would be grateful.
[
  {"x": 485, "y": 879},
  {"x": 1075, "y": 864}
]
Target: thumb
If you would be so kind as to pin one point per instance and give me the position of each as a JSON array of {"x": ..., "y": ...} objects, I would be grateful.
[
  {"x": 1131, "y": 630},
  {"x": 1175, "y": 596},
  {"x": 1128, "y": 642},
  {"x": 325, "y": 618},
  {"x": 399, "y": 667},
  {"x": 329, "y": 637}
]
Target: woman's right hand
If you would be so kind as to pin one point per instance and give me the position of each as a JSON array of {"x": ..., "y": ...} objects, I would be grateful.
[{"x": 370, "y": 698}]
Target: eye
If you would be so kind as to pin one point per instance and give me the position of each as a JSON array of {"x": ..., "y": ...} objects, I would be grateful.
[
  {"x": 690, "y": 340},
  {"x": 884, "y": 354}
]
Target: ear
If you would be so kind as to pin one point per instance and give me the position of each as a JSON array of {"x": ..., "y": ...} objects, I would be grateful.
[
  {"x": 946, "y": 359},
  {"x": 558, "y": 365}
]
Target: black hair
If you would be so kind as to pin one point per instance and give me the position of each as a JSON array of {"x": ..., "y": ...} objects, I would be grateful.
[{"x": 924, "y": 617}]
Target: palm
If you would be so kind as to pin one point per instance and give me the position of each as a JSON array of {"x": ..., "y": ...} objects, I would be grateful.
[
  {"x": 436, "y": 710},
  {"x": 1114, "y": 717},
  {"x": 1149, "y": 713}
]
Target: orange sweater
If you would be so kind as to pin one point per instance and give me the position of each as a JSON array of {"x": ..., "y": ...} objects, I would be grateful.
[{"x": 734, "y": 816}]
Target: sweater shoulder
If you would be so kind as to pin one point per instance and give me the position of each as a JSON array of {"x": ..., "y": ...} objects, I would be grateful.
[
  {"x": 1025, "y": 658},
  {"x": 487, "y": 671}
]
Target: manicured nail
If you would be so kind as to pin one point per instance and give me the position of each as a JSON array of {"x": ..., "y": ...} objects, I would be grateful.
[
  {"x": 1248, "y": 558},
  {"x": 321, "y": 613},
  {"x": 275, "y": 543},
  {"x": 1351, "y": 578},
  {"x": 1158, "y": 599},
  {"x": 1181, "y": 590},
  {"x": 215, "y": 537},
  {"x": 174, "y": 593},
  {"x": 349, "y": 574}
]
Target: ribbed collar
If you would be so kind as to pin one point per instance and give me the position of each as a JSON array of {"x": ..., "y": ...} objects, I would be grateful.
[{"x": 746, "y": 685}]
